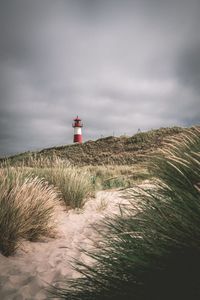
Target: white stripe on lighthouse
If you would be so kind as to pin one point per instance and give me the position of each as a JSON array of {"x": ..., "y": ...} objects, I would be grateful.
[{"x": 77, "y": 130}]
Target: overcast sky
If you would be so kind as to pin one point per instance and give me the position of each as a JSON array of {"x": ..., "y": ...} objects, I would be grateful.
[{"x": 119, "y": 65}]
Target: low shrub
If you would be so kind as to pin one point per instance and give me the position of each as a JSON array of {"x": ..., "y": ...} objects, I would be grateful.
[{"x": 26, "y": 209}]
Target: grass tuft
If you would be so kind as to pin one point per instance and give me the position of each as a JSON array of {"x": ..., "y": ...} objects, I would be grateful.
[
  {"x": 73, "y": 183},
  {"x": 26, "y": 209}
]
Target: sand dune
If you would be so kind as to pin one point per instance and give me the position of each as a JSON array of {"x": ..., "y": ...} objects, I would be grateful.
[{"x": 35, "y": 265}]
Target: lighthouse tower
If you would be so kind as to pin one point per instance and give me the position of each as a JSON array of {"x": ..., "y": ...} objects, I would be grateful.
[{"x": 77, "y": 125}]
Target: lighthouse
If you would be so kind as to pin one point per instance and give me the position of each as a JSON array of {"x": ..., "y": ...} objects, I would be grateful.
[{"x": 77, "y": 125}]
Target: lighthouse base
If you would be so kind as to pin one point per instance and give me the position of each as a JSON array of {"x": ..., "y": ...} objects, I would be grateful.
[{"x": 78, "y": 138}]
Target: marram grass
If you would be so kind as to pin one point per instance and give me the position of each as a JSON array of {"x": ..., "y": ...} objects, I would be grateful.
[
  {"x": 73, "y": 183},
  {"x": 152, "y": 250},
  {"x": 28, "y": 196},
  {"x": 26, "y": 209}
]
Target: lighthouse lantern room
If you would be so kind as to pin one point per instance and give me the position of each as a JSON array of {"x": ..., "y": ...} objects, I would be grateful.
[{"x": 77, "y": 125}]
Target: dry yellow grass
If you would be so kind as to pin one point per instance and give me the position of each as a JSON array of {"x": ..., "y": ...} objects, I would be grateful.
[
  {"x": 26, "y": 209},
  {"x": 73, "y": 183}
]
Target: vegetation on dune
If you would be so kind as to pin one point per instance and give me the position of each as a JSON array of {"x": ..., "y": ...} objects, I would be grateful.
[
  {"x": 73, "y": 183},
  {"x": 121, "y": 150},
  {"x": 117, "y": 176},
  {"x": 30, "y": 188},
  {"x": 28, "y": 196},
  {"x": 152, "y": 250},
  {"x": 26, "y": 209}
]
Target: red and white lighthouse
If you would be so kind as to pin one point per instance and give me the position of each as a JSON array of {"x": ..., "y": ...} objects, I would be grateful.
[{"x": 77, "y": 125}]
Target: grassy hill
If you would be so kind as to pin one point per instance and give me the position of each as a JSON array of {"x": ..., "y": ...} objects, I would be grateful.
[{"x": 121, "y": 150}]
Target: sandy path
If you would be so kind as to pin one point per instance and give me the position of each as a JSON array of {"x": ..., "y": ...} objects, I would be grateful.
[{"x": 25, "y": 275}]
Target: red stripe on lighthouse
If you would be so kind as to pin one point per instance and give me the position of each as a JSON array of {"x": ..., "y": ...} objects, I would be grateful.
[{"x": 78, "y": 138}]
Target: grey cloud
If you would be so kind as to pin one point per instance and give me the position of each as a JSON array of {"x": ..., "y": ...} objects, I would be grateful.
[
  {"x": 121, "y": 65},
  {"x": 188, "y": 68}
]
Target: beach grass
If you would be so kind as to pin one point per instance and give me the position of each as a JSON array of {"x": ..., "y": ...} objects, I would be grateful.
[
  {"x": 26, "y": 209},
  {"x": 73, "y": 183},
  {"x": 112, "y": 176}
]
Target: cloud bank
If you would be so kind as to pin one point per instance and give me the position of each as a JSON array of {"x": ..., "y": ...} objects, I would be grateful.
[{"x": 120, "y": 65}]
